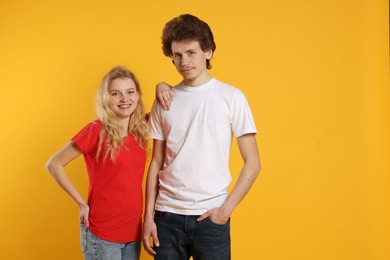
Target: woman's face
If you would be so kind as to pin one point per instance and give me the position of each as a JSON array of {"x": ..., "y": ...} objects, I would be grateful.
[{"x": 124, "y": 97}]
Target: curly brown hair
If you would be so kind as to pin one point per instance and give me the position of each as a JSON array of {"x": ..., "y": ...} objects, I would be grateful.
[{"x": 187, "y": 26}]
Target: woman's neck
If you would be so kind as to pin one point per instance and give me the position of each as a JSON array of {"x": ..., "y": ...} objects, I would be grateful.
[{"x": 124, "y": 127}]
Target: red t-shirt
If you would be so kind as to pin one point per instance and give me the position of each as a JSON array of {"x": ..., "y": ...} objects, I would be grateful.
[{"x": 115, "y": 188}]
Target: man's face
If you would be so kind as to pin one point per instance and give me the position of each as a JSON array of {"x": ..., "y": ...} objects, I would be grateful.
[{"x": 190, "y": 61}]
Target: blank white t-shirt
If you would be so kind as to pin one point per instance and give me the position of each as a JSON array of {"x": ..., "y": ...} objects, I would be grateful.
[{"x": 198, "y": 131}]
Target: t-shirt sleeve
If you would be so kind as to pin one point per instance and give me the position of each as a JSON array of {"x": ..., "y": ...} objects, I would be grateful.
[
  {"x": 155, "y": 123},
  {"x": 87, "y": 138},
  {"x": 242, "y": 121}
]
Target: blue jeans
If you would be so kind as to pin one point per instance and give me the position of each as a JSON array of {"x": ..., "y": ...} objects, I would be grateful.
[
  {"x": 182, "y": 236},
  {"x": 94, "y": 248}
]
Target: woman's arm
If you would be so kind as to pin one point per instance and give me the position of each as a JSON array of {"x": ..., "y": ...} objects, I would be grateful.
[
  {"x": 56, "y": 167},
  {"x": 164, "y": 95}
]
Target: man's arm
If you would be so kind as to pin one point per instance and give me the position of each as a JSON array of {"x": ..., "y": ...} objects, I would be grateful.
[
  {"x": 155, "y": 166},
  {"x": 250, "y": 154}
]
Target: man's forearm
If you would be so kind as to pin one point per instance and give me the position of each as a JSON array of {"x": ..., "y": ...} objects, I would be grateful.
[
  {"x": 152, "y": 180},
  {"x": 248, "y": 175},
  {"x": 245, "y": 181},
  {"x": 151, "y": 189}
]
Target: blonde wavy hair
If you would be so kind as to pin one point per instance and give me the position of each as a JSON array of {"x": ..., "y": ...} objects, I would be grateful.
[{"x": 110, "y": 137}]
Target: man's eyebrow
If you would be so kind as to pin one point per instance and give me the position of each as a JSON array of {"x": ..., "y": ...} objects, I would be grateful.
[
  {"x": 193, "y": 50},
  {"x": 189, "y": 50}
]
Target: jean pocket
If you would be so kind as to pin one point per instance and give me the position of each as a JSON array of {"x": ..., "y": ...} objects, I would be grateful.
[
  {"x": 218, "y": 225},
  {"x": 83, "y": 238},
  {"x": 160, "y": 215}
]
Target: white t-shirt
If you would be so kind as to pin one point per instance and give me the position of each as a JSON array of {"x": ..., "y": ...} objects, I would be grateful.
[{"x": 198, "y": 131}]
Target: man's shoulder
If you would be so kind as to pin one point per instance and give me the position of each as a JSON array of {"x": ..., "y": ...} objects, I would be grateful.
[
  {"x": 177, "y": 88},
  {"x": 225, "y": 88}
]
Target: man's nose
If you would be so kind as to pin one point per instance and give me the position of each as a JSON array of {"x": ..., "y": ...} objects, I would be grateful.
[{"x": 184, "y": 60}]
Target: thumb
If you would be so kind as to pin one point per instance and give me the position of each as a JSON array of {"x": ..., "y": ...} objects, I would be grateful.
[
  {"x": 86, "y": 222},
  {"x": 204, "y": 216},
  {"x": 155, "y": 240}
]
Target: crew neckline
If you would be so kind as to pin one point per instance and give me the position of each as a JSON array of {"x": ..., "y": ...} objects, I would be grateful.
[{"x": 197, "y": 88}]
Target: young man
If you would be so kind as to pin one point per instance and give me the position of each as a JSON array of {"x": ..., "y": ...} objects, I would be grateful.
[{"x": 188, "y": 206}]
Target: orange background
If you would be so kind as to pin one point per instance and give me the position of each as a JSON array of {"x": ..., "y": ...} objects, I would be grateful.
[{"x": 316, "y": 74}]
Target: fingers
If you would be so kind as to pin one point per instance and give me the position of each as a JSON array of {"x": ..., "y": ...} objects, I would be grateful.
[
  {"x": 204, "y": 216},
  {"x": 84, "y": 213},
  {"x": 155, "y": 240},
  {"x": 164, "y": 105},
  {"x": 167, "y": 103},
  {"x": 161, "y": 101},
  {"x": 168, "y": 96},
  {"x": 165, "y": 100},
  {"x": 149, "y": 232},
  {"x": 215, "y": 216},
  {"x": 164, "y": 97},
  {"x": 148, "y": 247},
  {"x": 84, "y": 220}
]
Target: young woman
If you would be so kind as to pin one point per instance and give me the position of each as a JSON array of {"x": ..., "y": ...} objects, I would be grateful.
[{"x": 114, "y": 149}]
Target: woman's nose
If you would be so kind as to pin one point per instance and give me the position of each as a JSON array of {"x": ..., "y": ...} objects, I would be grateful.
[{"x": 124, "y": 98}]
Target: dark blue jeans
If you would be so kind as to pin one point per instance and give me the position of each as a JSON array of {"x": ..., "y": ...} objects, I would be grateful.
[{"x": 182, "y": 236}]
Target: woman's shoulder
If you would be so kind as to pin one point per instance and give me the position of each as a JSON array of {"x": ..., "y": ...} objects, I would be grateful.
[
  {"x": 96, "y": 123},
  {"x": 88, "y": 136},
  {"x": 92, "y": 127}
]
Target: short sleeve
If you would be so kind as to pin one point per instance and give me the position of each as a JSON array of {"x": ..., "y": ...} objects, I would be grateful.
[
  {"x": 155, "y": 122},
  {"x": 242, "y": 121},
  {"x": 88, "y": 137}
]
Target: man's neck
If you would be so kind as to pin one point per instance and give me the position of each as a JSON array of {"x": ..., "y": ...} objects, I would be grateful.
[{"x": 199, "y": 81}]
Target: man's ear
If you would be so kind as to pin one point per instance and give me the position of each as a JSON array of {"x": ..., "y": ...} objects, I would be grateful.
[{"x": 209, "y": 54}]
